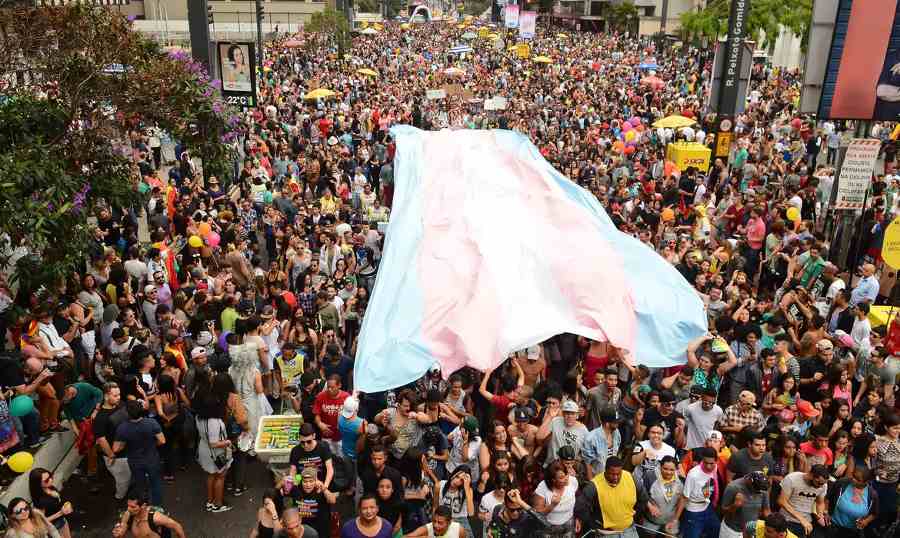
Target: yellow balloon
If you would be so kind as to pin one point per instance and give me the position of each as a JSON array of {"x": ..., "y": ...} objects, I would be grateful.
[
  {"x": 890, "y": 249},
  {"x": 630, "y": 135},
  {"x": 20, "y": 462},
  {"x": 195, "y": 241},
  {"x": 793, "y": 214}
]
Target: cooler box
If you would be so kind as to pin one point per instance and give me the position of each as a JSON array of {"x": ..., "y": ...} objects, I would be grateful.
[
  {"x": 276, "y": 436},
  {"x": 687, "y": 154}
]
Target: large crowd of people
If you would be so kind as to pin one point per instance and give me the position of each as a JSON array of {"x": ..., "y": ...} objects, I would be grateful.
[{"x": 248, "y": 301}]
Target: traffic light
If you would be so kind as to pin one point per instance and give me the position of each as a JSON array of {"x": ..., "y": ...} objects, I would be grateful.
[{"x": 209, "y": 13}]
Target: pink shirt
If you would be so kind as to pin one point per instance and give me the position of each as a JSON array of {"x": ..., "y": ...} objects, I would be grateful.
[{"x": 756, "y": 233}]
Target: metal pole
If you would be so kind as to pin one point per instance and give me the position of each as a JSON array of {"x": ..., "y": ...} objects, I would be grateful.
[
  {"x": 259, "y": 47},
  {"x": 847, "y": 234}
]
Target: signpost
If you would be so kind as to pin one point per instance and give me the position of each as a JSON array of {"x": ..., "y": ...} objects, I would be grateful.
[
  {"x": 734, "y": 52},
  {"x": 856, "y": 173}
]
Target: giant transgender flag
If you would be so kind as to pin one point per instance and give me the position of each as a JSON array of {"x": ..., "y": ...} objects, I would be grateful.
[{"x": 490, "y": 249}]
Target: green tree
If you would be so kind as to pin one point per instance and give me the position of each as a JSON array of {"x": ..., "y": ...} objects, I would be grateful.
[
  {"x": 367, "y": 6},
  {"x": 765, "y": 20},
  {"x": 621, "y": 17},
  {"x": 333, "y": 25},
  {"x": 79, "y": 80}
]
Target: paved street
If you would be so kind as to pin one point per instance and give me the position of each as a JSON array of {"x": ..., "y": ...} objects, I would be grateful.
[{"x": 184, "y": 499}]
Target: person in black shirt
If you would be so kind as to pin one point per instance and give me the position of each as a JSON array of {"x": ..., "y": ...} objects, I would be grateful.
[
  {"x": 371, "y": 475},
  {"x": 515, "y": 518},
  {"x": 814, "y": 371},
  {"x": 310, "y": 453},
  {"x": 313, "y": 503},
  {"x": 112, "y": 413},
  {"x": 672, "y": 422}
]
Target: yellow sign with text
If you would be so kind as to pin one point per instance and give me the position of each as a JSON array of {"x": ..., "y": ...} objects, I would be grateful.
[
  {"x": 723, "y": 144},
  {"x": 890, "y": 249},
  {"x": 689, "y": 154},
  {"x": 523, "y": 50}
]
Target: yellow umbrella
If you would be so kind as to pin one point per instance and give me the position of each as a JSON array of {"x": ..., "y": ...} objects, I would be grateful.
[
  {"x": 321, "y": 93},
  {"x": 367, "y": 71},
  {"x": 882, "y": 315},
  {"x": 674, "y": 122},
  {"x": 405, "y": 26},
  {"x": 378, "y": 27},
  {"x": 494, "y": 36},
  {"x": 543, "y": 59}
]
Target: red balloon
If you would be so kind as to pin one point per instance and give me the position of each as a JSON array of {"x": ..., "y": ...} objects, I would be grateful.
[
  {"x": 629, "y": 150},
  {"x": 796, "y": 123}
]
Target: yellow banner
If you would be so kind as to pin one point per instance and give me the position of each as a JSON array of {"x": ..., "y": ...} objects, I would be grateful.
[{"x": 523, "y": 50}]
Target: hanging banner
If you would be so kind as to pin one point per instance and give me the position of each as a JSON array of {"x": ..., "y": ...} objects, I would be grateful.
[
  {"x": 511, "y": 16},
  {"x": 527, "y": 24},
  {"x": 890, "y": 249},
  {"x": 439, "y": 93},
  {"x": 856, "y": 173}
]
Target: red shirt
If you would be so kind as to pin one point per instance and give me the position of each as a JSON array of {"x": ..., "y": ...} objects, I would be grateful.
[
  {"x": 501, "y": 408},
  {"x": 328, "y": 409},
  {"x": 815, "y": 455}
]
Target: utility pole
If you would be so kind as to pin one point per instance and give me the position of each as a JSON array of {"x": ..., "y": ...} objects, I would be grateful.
[
  {"x": 198, "y": 26},
  {"x": 848, "y": 215},
  {"x": 260, "y": 14},
  {"x": 664, "y": 16}
]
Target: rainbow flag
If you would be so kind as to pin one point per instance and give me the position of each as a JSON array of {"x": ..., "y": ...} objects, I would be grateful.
[{"x": 489, "y": 250}]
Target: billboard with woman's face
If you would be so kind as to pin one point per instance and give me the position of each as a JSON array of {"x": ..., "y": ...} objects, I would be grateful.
[{"x": 237, "y": 65}]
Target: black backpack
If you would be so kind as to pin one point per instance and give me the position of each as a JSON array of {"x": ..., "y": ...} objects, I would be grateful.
[{"x": 343, "y": 474}]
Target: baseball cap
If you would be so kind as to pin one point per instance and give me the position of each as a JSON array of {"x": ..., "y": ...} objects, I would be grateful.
[
  {"x": 719, "y": 345},
  {"x": 806, "y": 409},
  {"x": 824, "y": 345},
  {"x": 715, "y": 435},
  {"x": 309, "y": 472},
  {"x": 569, "y": 406},
  {"x": 470, "y": 424},
  {"x": 351, "y": 406},
  {"x": 534, "y": 353},
  {"x": 845, "y": 339},
  {"x": 521, "y": 414},
  {"x": 747, "y": 397},
  {"x": 197, "y": 351},
  {"x": 149, "y": 288}
]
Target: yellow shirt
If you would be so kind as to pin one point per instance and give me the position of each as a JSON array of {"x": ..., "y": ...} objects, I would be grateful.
[
  {"x": 761, "y": 530},
  {"x": 616, "y": 503}
]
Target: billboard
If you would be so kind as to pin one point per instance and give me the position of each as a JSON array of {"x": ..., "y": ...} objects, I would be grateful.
[
  {"x": 238, "y": 71},
  {"x": 862, "y": 77},
  {"x": 511, "y": 16},
  {"x": 527, "y": 24}
]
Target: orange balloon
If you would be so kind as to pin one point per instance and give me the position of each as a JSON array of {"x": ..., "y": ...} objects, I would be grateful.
[
  {"x": 668, "y": 214},
  {"x": 204, "y": 229}
]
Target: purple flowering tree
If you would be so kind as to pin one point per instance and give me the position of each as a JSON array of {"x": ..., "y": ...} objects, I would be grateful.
[{"x": 76, "y": 85}]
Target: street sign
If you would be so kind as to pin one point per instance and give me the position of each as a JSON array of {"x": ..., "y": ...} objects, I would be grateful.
[
  {"x": 856, "y": 173},
  {"x": 890, "y": 249}
]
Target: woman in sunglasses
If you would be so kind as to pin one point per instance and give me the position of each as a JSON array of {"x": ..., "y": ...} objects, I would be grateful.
[{"x": 26, "y": 522}]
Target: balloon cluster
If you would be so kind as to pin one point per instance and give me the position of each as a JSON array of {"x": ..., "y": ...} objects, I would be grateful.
[
  {"x": 208, "y": 236},
  {"x": 628, "y": 136}
]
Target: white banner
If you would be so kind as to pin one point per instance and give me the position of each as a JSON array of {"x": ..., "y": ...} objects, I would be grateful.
[
  {"x": 495, "y": 103},
  {"x": 511, "y": 16},
  {"x": 527, "y": 24},
  {"x": 440, "y": 93},
  {"x": 856, "y": 173}
]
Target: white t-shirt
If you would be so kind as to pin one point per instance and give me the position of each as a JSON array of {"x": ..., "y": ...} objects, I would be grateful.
[
  {"x": 699, "y": 488},
  {"x": 801, "y": 496},
  {"x": 487, "y": 505},
  {"x": 565, "y": 509},
  {"x": 452, "y": 530},
  {"x": 652, "y": 457},
  {"x": 700, "y": 423}
]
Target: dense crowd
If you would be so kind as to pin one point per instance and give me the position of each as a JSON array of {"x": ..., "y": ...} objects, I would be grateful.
[{"x": 249, "y": 297}]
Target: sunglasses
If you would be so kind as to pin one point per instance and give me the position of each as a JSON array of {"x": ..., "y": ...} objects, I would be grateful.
[
  {"x": 22, "y": 510},
  {"x": 307, "y": 441}
]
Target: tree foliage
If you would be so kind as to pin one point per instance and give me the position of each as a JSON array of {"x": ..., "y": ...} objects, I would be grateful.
[
  {"x": 77, "y": 80},
  {"x": 620, "y": 17},
  {"x": 333, "y": 24},
  {"x": 765, "y": 20}
]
